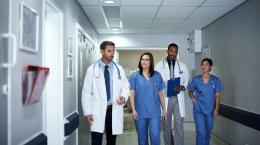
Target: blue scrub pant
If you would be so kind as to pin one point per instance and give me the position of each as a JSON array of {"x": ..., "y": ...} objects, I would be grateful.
[
  {"x": 204, "y": 126},
  {"x": 153, "y": 125}
]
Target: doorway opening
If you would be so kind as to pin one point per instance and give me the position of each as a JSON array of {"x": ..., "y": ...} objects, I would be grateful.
[{"x": 53, "y": 58}]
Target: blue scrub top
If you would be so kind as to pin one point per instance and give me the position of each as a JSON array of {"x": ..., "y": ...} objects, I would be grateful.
[
  {"x": 147, "y": 101},
  {"x": 205, "y": 93}
]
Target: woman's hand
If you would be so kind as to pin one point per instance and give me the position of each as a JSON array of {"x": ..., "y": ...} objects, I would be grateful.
[
  {"x": 215, "y": 113},
  {"x": 134, "y": 115},
  {"x": 164, "y": 115},
  {"x": 193, "y": 99}
]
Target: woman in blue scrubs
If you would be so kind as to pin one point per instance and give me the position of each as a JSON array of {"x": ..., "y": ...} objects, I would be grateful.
[
  {"x": 147, "y": 100},
  {"x": 205, "y": 92}
]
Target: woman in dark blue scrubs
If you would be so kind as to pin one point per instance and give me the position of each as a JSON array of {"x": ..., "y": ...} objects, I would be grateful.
[
  {"x": 147, "y": 99},
  {"x": 205, "y": 92}
]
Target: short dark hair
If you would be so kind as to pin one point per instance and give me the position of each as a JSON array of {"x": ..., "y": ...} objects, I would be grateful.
[
  {"x": 151, "y": 69},
  {"x": 207, "y": 60},
  {"x": 173, "y": 45},
  {"x": 105, "y": 43}
]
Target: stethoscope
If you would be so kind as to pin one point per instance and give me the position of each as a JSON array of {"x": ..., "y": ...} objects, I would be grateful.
[
  {"x": 97, "y": 71},
  {"x": 180, "y": 71}
]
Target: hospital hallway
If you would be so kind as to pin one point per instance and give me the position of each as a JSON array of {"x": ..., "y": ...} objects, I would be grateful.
[{"x": 52, "y": 68}]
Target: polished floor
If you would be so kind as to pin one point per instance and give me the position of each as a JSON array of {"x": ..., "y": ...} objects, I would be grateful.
[{"x": 129, "y": 137}]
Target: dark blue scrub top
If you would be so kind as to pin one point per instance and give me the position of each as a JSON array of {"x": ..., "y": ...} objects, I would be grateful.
[
  {"x": 147, "y": 101},
  {"x": 205, "y": 93}
]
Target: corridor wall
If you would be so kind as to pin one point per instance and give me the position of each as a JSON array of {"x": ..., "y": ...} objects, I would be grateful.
[
  {"x": 234, "y": 47},
  {"x": 28, "y": 121}
]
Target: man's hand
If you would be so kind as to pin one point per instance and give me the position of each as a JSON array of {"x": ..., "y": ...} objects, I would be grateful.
[
  {"x": 89, "y": 119},
  {"x": 179, "y": 88},
  {"x": 120, "y": 100}
]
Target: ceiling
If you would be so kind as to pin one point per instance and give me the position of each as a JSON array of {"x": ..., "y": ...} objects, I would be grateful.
[{"x": 154, "y": 16}]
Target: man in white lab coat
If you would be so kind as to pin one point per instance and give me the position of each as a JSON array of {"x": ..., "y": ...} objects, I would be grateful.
[
  {"x": 172, "y": 69},
  {"x": 104, "y": 93}
]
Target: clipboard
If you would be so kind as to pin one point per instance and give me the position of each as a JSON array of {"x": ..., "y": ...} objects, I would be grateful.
[
  {"x": 34, "y": 80},
  {"x": 171, "y": 84}
]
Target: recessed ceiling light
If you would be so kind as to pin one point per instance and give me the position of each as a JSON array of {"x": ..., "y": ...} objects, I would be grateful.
[
  {"x": 109, "y": 2},
  {"x": 115, "y": 29},
  {"x": 115, "y": 32}
]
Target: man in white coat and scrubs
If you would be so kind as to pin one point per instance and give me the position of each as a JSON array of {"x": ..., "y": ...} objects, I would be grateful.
[
  {"x": 171, "y": 69},
  {"x": 104, "y": 93}
]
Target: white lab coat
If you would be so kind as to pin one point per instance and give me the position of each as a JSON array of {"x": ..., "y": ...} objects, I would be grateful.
[
  {"x": 94, "y": 98},
  {"x": 163, "y": 68}
]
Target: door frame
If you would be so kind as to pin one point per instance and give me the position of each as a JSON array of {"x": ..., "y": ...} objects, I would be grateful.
[
  {"x": 82, "y": 30},
  {"x": 58, "y": 107},
  {"x": 79, "y": 28}
]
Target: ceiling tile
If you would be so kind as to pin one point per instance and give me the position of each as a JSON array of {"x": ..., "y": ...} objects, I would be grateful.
[
  {"x": 93, "y": 11},
  {"x": 98, "y": 2},
  {"x": 229, "y": 3},
  {"x": 174, "y": 12},
  {"x": 210, "y": 12},
  {"x": 182, "y": 3},
  {"x": 140, "y": 2},
  {"x": 112, "y": 11},
  {"x": 137, "y": 12},
  {"x": 182, "y": 30},
  {"x": 196, "y": 23},
  {"x": 174, "y": 16},
  {"x": 163, "y": 23},
  {"x": 123, "y": 31},
  {"x": 133, "y": 23},
  {"x": 89, "y": 2},
  {"x": 114, "y": 23},
  {"x": 99, "y": 23}
]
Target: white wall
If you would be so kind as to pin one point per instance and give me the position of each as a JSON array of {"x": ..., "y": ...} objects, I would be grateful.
[
  {"x": 234, "y": 41},
  {"x": 27, "y": 121}
]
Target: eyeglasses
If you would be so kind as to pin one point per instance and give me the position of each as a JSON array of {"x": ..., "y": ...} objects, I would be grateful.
[{"x": 145, "y": 59}]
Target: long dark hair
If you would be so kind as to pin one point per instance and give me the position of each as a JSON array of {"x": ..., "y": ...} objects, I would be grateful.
[{"x": 151, "y": 69}]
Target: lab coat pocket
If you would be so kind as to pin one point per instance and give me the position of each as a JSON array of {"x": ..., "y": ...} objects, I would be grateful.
[
  {"x": 95, "y": 108},
  {"x": 117, "y": 116}
]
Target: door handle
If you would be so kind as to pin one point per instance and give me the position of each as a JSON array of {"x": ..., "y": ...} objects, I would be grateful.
[
  {"x": 13, "y": 50},
  {"x": 5, "y": 89}
]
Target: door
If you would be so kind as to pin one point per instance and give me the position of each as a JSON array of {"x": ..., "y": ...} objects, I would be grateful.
[
  {"x": 53, "y": 58},
  {"x": 87, "y": 55},
  {"x": 84, "y": 130},
  {"x": 7, "y": 60}
]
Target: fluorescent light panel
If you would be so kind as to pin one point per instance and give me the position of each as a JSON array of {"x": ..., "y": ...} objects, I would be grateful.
[{"x": 109, "y": 2}]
